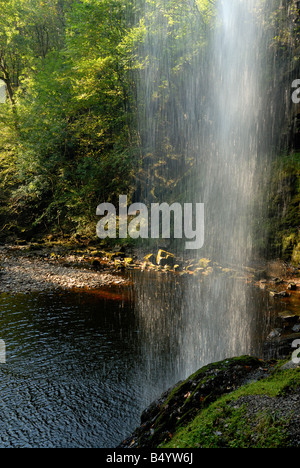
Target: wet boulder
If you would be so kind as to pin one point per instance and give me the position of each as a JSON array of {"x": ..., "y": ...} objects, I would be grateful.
[
  {"x": 278, "y": 295},
  {"x": 292, "y": 287},
  {"x": 179, "y": 405}
]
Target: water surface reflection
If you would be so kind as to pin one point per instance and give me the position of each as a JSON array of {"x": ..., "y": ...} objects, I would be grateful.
[{"x": 82, "y": 367}]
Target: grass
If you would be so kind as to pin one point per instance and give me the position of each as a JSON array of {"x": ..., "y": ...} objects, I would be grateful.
[{"x": 226, "y": 424}]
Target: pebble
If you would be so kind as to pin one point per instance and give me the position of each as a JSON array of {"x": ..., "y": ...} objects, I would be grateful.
[{"x": 25, "y": 275}]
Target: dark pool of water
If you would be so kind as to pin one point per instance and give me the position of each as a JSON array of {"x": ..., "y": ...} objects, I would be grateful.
[
  {"x": 80, "y": 368},
  {"x": 71, "y": 374}
]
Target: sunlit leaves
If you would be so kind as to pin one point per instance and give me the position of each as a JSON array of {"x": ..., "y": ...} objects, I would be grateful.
[{"x": 67, "y": 62}]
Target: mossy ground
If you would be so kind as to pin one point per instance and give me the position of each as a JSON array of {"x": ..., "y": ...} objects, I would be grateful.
[{"x": 226, "y": 424}]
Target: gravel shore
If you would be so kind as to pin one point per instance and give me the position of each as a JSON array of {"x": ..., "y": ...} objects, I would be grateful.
[
  {"x": 285, "y": 409},
  {"x": 24, "y": 274}
]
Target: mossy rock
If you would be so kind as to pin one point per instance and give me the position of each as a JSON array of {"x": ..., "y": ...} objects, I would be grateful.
[
  {"x": 191, "y": 267},
  {"x": 150, "y": 258},
  {"x": 261, "y": 414},
  {"x": 110, "y": 255},
  {"x": 182, "y": 403},
  {"x": 128, "y": 261},
  {"x": 165, "y": 258},
  {"x": 96, "y": 253},
  {"x": 209, "y": 409},
  {"x": 21, "y": 242},
  {"x": 204, "y": 262}
]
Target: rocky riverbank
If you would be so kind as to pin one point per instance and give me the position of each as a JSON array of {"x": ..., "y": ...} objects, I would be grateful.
[
  {"x": 41, "y": 266},
  {"x": 237, "y": 403},
  {"x": 30, "y": 266},
  {"x": 25, "y": 271}
]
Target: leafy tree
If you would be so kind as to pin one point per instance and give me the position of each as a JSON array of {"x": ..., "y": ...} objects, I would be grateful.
[{"x": 71, "y": 101}]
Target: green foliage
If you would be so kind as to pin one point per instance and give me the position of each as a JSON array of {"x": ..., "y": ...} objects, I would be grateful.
[
  {"x": 171, "y": 45},
  {"x": 73, "y": 134},
  {"x": 71, "y": 138},
  {"x": 284, "y": 207},
  {"x": 67, "y": 124},
  {"x": 285, "y": 21}
]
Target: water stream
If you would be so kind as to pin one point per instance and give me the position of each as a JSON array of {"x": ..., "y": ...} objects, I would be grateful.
[{"x": 202, "y": 126}]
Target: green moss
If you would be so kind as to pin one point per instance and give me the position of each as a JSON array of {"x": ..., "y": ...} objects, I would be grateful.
[
  {"x": 202, "y": 376},
  {"x": 224, "y": 424}
]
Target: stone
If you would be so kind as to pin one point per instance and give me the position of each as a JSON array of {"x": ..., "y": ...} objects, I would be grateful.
[
  {"x": 20, "y": 242},
  {"x": 198, "y": 271},
  {"x": 165, "y": 258},
  {"x": 24, "y": 274},
  {"x": 279, "y": 294},
  {"x": 277, "y": 280},
  {"x": 275, "y": 334},
  {"x": 296, "y": 328},
  {"x": 150, "y": 258},
  {"x": 110, "y": 255},
  {"x": 128, "y": 261},
  {"x": 119, "y": 265},
  {"x": 96, "y": 265},
  {"x": 181, "y": 403},
  {"x": 280, "y": 347},
  {"x": 204, "y": 262},
  {"x": 260, "y": 275},
  {"x": 227, "y": 270},
  {"x": 287, "y": 315},
  {"x": 119, "y": 255},
  {"x": 169, "y": 261}
]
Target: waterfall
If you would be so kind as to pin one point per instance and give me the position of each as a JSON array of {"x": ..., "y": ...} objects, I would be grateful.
[
  {"x": 229, "y": 187},
  {"x": 200, "y": 103},
  {"x": 202, "y": 121}
]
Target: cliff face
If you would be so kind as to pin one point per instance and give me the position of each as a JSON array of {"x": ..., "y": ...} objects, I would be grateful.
[
  {"x": 283, "y": 114},
  {"x": 283, "y": 200},
  {"x": 241, "y": 402}
]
